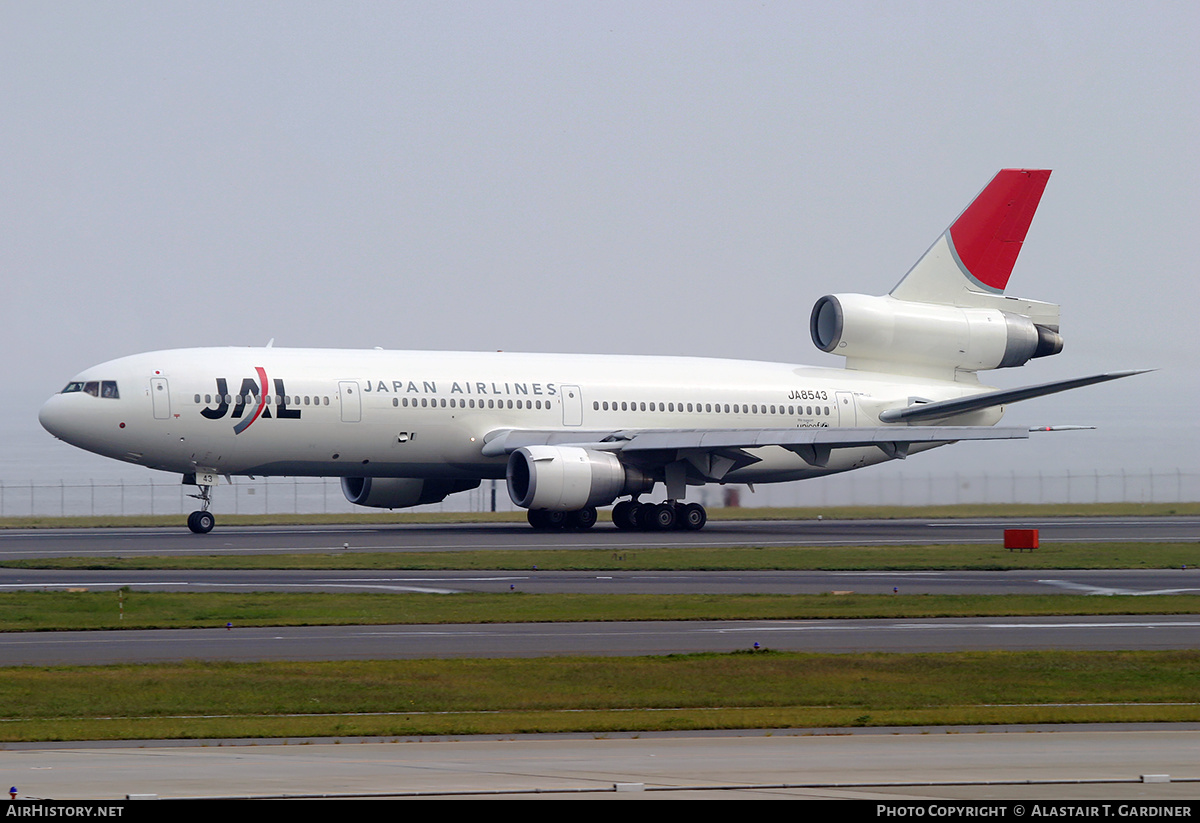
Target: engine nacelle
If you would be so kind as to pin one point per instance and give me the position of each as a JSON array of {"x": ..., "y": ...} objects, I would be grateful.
[
  {"x": 870, "y": 330},
  {"x": 568, "y": 478},
  {"x": 400, "y": 492}
]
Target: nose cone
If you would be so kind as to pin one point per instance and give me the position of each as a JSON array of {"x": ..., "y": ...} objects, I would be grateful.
[
  {"x": 55, "y": 417},
  {"x": 73, "y": 418}
]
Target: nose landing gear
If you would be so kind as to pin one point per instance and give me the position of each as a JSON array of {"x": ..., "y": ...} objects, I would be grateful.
[{"x": 202, "y": 521}]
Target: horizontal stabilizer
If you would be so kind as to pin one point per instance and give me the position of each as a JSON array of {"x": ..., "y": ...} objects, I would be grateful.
[{"x": 987, "y": 400}]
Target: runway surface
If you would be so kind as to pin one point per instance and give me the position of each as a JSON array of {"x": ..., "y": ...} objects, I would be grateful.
[
  {"x": 598, "y": 639},
  {"x": 882, "y": 765},
  {"x": 27, "y": 543},
  {"x": 1137, "y": 582}
]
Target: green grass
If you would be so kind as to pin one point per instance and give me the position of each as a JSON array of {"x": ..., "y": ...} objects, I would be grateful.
[
  {"x": 597, "y": 695},
  {"x": 983, "y": 557},
  {"x": 61, "y": 611}
]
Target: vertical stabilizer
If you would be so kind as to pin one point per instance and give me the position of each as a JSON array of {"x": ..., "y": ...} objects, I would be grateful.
[{"x": 975, "y": 256}]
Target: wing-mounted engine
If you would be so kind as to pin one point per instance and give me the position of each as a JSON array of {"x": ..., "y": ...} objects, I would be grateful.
[
  {"x": 401, "y": 492},
  {"x": 949, "y": 315},
  {"x": 569, "y": 478}
]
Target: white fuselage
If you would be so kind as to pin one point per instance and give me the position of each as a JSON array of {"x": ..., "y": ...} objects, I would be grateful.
[{"x": 375, "y": 413}]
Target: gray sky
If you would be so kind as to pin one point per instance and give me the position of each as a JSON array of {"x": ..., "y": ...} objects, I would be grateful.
[{"x": 674, "y": 178}]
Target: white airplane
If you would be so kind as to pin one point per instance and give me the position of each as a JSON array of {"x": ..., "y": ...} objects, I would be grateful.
[{"x": 574, "y": 432}]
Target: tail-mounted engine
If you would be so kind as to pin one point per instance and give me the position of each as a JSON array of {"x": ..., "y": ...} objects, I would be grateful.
[{"x": 886, "y": 334}]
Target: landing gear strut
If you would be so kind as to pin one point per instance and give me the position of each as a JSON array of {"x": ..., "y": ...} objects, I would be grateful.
[{"x": 202, "y": 522}]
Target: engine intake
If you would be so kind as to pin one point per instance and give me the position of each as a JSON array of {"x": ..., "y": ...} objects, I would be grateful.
[{"x": 568, "y": 478}]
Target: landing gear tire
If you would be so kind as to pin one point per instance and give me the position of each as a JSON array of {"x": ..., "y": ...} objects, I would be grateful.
[
  {"x": 626, "y": 514},
  {"x": 692, "y": 517},
  {"x": 545, "y": 520},
  {"x": 201, "y": 522},
  {"x": 660, "y": 517},
  {"x": 581, "y": 520}
]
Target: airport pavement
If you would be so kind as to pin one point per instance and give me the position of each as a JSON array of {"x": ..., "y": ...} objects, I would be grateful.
[{"x": 880, "y": 765}]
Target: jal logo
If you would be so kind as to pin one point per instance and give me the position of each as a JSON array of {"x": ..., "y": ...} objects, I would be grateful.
[{"x": 250, "y": 400}]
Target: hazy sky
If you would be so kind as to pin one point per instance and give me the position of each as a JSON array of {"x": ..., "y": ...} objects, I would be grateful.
[{"x": 675, "y": 178}]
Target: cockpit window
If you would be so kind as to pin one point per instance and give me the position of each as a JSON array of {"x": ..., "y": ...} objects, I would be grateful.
[{"x": 96, "y": 388}]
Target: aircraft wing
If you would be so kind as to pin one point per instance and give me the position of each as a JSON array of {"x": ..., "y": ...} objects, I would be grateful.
[{"x": 715, "y": 452}]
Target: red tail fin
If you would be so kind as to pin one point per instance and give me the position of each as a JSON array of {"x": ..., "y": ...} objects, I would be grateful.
[
  {"x": 975, "y": 256},
  {"x": 987, "y": 236}
]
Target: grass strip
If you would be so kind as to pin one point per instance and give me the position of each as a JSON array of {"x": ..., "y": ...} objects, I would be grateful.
[
  {"x": 598, "y": 695},
  {"x": 73, "y": 611},
  {"x": 977, "y": 557}
]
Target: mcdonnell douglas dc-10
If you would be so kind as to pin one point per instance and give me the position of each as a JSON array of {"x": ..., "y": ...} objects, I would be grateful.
[{"x": 574, "y": 432}]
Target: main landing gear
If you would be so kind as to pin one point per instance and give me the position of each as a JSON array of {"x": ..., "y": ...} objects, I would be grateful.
[
  {"x": 579, "y": 520},
  {"x": 202, "y": 522},
  {"x": 628, "y": 515}
]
